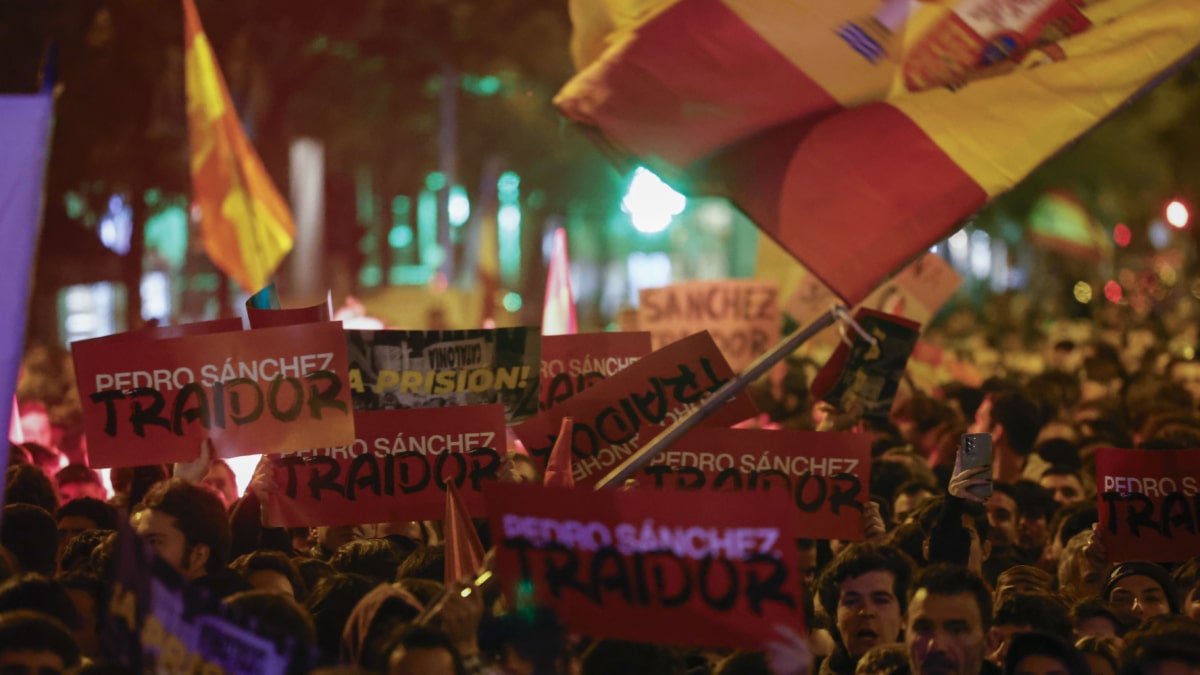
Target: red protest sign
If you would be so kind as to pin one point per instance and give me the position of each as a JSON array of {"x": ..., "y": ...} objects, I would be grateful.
[
  {"x": 396, "y": 469},
  {"x": 572, "y": 363},
  {"x": 825, "y": 475},
  {"x": 1148, "y": 506},
  {"x": 682, "y": 569},
  {"x": 186, "y": 329},
  {"x": 153, "y": 401},
  {"x": 741, "y": 314},
  {"x": 611, "y": 417}
]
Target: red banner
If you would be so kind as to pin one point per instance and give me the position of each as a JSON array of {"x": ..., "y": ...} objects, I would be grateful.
[
  {"x": 611, "y": 417},
  {"x": 154, "y": 401},
  {"x": 274, "y": 318},
  {"x": 681, "y": 569},
  {"x": 1148, "y": 504},
  {"x": 826, "y": 476},
  {"x": 572, "y": 363},
  {"x": 396, "y": 469}
]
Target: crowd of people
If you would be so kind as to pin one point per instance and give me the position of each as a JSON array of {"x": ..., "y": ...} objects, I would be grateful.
[{"x": 944, "y": 580}]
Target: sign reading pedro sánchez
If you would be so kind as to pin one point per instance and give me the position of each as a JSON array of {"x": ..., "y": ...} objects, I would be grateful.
[
  {"x": 392, "y": 369},
  {"x": 151, "y": 400}
]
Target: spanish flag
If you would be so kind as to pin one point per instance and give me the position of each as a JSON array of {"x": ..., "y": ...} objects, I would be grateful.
[
  {"x": 857, "y": 133},
  {"x": 246, "y": 225}
]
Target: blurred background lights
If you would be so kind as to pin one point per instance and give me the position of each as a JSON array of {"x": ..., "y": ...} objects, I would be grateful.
[
  {"x": 1121, "y": 235},
  {"x": 1177, "y": 214},
  {"x": 1083, "y": 292},
  {"x": 1112, "y": 291},
  {"x": 651, "y": 203},
  {"x": 458, "y": 206}
]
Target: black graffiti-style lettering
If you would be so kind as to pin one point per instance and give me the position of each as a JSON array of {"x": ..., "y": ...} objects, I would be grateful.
[
  {"x": 564, "y": 385},
  {"x": 614, "y": 427},
  {"x": 368, "y": 474},
  {"x": 219, "y": 405},
  {"x": 658, "y": 578},
  {"x": 827, "y": 493},
  {"x": 1176, "y": 515}
]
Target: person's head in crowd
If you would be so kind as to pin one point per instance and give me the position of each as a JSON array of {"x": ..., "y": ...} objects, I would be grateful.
[
  {"x": 1185, "y": 373},
  {"x": 1022, "y": 579},
  {"x": 1102, "y": 377},
  {"x": 1059, "y": 452},
  {"x": 1069, "y": 520},
  {"x": 605, "y": 657},
  {"x": 45, "y": 457},
  {"x": 949, "y": 615},
  {"x": 864, "y": 589},
  {"x": 83, "y": 515},
  {"x": 974, "y": 519},
  {"x": 1055, "y": 393},
  {"x": 1103, "y": 654},
  {"x": 30, "y": 534},
  {"x": 274, "y": 616},
  {"x": 77, "y": 551},
  {"x": 25, "y": 484},
  {"x": 909, "y": 496},
  {"x": 330, "y": 603},
  {"x": 31, "y": 642},
  {"x": 1044, "y": 654},
  {"x": 326, "y": 540},
  {"x": 37, "y": 593},
  {"x": 220, "y": 479},
  {"x": 1144, "y": 588},
  {"x": 882, "y": 660},
  {"x": 1104, "y": 418},
  {"x": 1037, "y": 508},
  {"x": 427, "y": 562},
  {"x": 1064, "y": 483},
  {"x": 1077, "y": 579},
  {"x": 35, "y": 422},
  {"x": 312, "y": 570},
  {"x": 87, "y": 593},
  {"x": 422, "y": 650},
  {"x": 186, "y": 526},
  {"x": 1187, "y": 587},
  {"x": 526, "y": 641},
  {"x": 77, "y": 480},
  {"x": 1014, "y": 421},
  {"x": 888, "y": 477},
  {"x": 1024, "y": 613},
  {"x": 372, "y": 558},
  {"x": 1163, "y": 645},
  {"x": 964, "y": 399},
  {"x": 1171, "y": 433},
  {"x": 807, "y": 561},
  {"x": 909, "y": 537},
  {"x": 130, "y": 484},
  {"x": 371, "y": 622},
  {"x": 271, "y": 571},
  {"x": 1003, "y": 514},
  {"x": 1101, "y": 618},
  {"x": 931, "y": 427},
  {"x": 917, "y": 466}
]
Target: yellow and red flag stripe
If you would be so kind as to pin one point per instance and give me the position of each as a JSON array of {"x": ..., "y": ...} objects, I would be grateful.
[
  {"x": 246, "y": 225},
  {"x": 859, "y": 132}
]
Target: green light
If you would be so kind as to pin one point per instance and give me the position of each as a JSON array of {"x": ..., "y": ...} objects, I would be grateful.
[
  {"x": 370, "y": 275},
  {"x": 167, "y": 233},
  {"x": 488, "y": 85},
  {"x": 401, "y": 206},
  {"x": 400, "y": 236},
  {"x": 508, "y": 186},
  {"x": 75, "y": 205},
  {"x": 512, "y": 301},
  {"x": 152, "y": 197},
  {"x": 367, "y": 244},
  {"x": 435, "y": 181}
]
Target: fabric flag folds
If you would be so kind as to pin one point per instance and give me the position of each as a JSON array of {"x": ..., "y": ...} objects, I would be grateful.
[
  {"x": 559, "y": 472},
  {"x": 25, "y": 126},
  {"x": 857, "y": 133},
  {"x": 246, "y": 225},
  {"x": 464, "y": 550},
  {"x": 558, "y": 313}
]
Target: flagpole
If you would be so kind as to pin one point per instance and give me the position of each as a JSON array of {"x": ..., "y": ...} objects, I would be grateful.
[{"x": 642, "y": 457}]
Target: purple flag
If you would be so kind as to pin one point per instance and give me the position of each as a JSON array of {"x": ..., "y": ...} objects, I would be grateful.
[{"x": 25, "y": 123}]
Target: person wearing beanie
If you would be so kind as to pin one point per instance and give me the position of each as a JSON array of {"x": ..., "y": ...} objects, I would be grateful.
[
  {"x": 1043, "y": 654},
  {"x": 1143, "y": 588}
]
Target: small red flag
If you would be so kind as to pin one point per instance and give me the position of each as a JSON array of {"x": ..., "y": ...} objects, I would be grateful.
[
  {"x": 558, "y": 313},
  {"x": 558, "y": 467},
  {"x": 464, "y": 551}
]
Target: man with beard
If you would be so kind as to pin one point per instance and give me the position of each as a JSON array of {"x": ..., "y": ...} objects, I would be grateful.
[
  {"x": 949, "y": 615},
  {"x": 865, "y": 590}
]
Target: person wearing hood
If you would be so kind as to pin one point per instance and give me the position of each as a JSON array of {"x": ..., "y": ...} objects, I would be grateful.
[{"x": 1143, "y": 588}]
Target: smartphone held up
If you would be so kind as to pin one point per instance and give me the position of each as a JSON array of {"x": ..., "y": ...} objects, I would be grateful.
[{"x": 975, "y": 451}]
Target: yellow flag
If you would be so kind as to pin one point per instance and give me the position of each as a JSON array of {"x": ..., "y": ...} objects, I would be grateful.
[{"x": 246, "y": 225}]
